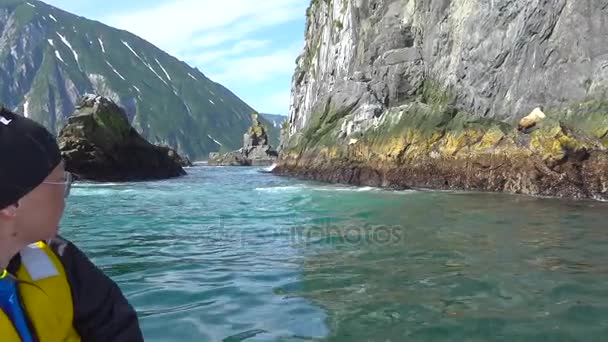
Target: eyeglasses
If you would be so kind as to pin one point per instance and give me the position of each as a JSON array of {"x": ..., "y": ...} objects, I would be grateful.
[{"x": 68, "y": 180}]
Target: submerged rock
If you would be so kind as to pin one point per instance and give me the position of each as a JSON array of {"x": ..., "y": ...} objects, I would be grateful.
[
  {"x": 256, "y": 150},
  {"x": 99, "y": 144}
]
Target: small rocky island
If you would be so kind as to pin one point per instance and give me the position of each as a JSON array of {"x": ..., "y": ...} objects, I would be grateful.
[
  {"x": 256, "y": 150},
  {"x": 99, "y": 144}
]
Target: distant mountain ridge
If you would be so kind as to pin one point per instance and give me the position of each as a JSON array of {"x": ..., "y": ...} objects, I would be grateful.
[
  {"x": 49, "y": 58},
  {"x": 275, "y": 120}
]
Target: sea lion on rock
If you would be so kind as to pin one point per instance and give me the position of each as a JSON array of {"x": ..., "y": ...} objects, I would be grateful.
[{"x": 531, "y": 120}]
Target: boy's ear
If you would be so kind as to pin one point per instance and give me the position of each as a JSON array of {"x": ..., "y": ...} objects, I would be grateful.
[{"x": 9, "y": 212}]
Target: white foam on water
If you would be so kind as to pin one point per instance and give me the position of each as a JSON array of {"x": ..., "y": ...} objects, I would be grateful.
[
  {"x": 280, "y": 189},
  {"x": 192, "y": 77},
  {"x": 212, "y": 102},
  {"x": 346, "y": 189},
  {"x": 96, "y": 185},
  {"x": 100, "y": 192},
  {"x": 331, "y": 188},
  {"x": 52, "y": 17},
  {"x": 51, "y": 42},
  {"x": 31, "y": 4},
  {"x": 600, "y": 199},
  {"x": 93, "y": 192}
]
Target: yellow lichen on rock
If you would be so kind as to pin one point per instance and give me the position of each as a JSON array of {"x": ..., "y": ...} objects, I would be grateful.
[
  {"x": 393, "y": 148},
  {"x": 555, "y": 144},
  {"x": 492, "y": 137},
  {"x": 452, "y": 143},
  {"x": 546, "y": 144}
]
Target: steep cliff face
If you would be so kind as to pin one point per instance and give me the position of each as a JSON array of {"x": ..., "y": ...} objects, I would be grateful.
[{"x": 384, "y": 85}]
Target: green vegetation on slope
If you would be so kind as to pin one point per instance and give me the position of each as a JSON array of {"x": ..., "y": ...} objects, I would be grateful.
[{"x": 51, "y": 57}]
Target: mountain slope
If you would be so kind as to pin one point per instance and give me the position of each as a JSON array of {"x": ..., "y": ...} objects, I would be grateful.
[
  {"x": 275, "y": 123},
  {"x": 275, "y": 120},
  {"x": 49, "y": 58}
]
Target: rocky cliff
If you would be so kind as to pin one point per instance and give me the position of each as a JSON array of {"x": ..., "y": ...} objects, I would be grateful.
[
  {"x": 99, "y": 144},
  {"x": 49, "y": 58},
  {"x": 427, "y": 93},
  {"x": 256, "y": 150}
]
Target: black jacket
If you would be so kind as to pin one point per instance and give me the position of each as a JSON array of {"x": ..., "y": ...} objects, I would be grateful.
[{"x": 101, "y": 311}]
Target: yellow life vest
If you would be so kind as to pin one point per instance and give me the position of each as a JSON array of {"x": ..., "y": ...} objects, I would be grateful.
[{"x": 48, "y": 305}]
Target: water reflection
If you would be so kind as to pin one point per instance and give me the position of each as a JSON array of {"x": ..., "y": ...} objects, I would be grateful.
[{"x": 469, "y": 266}]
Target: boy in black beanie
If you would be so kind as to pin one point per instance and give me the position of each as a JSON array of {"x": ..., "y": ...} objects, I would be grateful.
[{"x": 63, "y": 296}]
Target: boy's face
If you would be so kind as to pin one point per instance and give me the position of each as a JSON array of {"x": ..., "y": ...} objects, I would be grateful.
[{"x": 39, "y": 212}]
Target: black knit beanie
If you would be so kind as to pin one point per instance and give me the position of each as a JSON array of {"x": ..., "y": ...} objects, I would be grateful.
[{"x": 28, "y": 154}]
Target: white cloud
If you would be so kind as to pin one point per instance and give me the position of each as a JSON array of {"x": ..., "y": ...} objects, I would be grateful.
[
  {"x": 257, "y": 69},
  {"x": 183, "y": 25},
  {"x": 246, "y": 45},
  {"x": 269, "y": 74},
  {"x": 237, "y": 49},
  {"x": 277, "y": 103},
  {"x": 239, "y": 43}
]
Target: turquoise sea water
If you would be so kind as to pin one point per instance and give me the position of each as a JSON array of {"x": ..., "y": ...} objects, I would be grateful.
[{"x": 238, "y": 255}]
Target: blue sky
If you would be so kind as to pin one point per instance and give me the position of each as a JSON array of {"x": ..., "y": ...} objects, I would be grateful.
[{"x": 247, "y": 45}]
